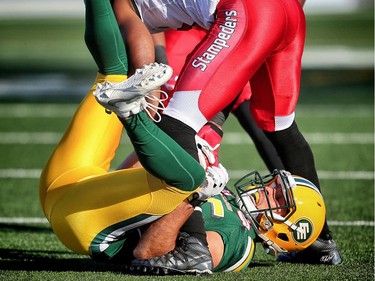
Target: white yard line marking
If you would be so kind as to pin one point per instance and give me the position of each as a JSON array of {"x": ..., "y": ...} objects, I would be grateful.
[
  {"x": 312, "y": 138},
  {"x": 30, "y": 138},
  {"x": 38, "y": 220},
  {"x": 229, "y": 138},
  {"x": 20, "y": 173},
  {"x": 20, "y": 220},
  {"x": 234, "y": 174},
  {"x": 327, "y": 175},
  {"x": 352, "y": 223},
  {"x": 23, "y": 110},
  {"x": 332, "y": 57}
]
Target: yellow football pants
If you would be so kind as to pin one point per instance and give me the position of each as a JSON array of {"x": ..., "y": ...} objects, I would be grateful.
[{"x": 79, "y": 197}]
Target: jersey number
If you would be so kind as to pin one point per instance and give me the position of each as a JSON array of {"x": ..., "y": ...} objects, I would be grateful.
[
  {"x": 217, "y": 211},
  {"x": 217, "y": 208}
]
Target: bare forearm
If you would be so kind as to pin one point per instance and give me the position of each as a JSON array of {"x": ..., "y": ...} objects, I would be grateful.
[
  {"x": 137, "y": 38},
  {"x": 160, "y": 237}
]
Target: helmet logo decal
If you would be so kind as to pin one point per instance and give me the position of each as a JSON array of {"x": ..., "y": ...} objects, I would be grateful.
[{"x": 303, "y": 231}]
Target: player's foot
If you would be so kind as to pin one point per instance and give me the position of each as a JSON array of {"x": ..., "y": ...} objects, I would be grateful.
[
  {"x": 189, "y": 257},
  {"x": 128, "y": 97},
  {"x": 322, "y": 251}
]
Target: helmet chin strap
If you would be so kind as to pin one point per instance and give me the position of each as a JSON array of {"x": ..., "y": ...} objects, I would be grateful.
[{"x": 270, "y": 247}]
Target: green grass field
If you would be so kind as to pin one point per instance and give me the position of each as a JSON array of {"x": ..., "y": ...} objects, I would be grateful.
[
  {"x": 336, "y": 113},
  {"x": 341, "y": 134},
  {"x": 40, "y": 45}
]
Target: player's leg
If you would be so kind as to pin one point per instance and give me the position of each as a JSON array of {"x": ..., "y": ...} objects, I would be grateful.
[
  {"x": 203, "y": 89},
  {"x": 161, "y": 155},
  {"x": 105, "y": 43},
  {"x": 103, "y": 38},
  {"x": 87, "y": 137},
  {"x": 275, "y": 94},
  {"x": 263, "y": 145},
  {"x": 178, "y": 45},
  {"x": 87, "y": 146},
  {"x": 241, "y": 109},
  {"x": 87, "y": 212}
]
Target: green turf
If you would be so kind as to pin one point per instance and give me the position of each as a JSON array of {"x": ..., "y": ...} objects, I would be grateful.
[
  {"x": 355, "y": 30},
  {"x": 32, "y": 252},
  {"x": 43, "y": 45},
  {"x": 330, "y": 102},
  {"x": 40, "y": 45}
]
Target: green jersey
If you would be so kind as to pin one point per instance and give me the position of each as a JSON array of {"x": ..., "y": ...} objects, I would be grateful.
[{"x": 222, "y": 215}]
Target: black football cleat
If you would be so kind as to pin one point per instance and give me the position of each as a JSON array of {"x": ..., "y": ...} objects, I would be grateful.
[
  {"x": 189, "y": 257},
  {"x": 322, "y": 251}
]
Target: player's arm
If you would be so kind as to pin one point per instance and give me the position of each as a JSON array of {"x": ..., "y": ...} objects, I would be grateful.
[
  {"x": 137, "y": 38},
  {"x": 216, "y": 246},
  {"x": 160, "y": 47},
  {"x": 161, "y": 236}
]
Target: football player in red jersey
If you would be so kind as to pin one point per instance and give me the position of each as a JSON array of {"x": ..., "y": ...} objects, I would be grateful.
[{"x": 172, "y": 47}]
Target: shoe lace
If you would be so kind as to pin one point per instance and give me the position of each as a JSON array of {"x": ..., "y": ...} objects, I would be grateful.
[{"x": 152, "y": 108}]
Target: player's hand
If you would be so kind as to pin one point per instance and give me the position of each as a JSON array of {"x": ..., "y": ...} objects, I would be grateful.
[
  {"x": 216, "y": 179},
  {"x": 205, "y": 153}
]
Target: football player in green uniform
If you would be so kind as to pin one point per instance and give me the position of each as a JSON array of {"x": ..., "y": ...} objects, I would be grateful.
[{"x": 284, "y": 213}]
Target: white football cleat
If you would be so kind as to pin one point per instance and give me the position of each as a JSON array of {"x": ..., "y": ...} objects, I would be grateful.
[{"x": 128, "y": 97}]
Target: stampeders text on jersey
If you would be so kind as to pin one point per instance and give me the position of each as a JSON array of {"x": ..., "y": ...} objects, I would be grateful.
[{"x": 227, "y": 29}]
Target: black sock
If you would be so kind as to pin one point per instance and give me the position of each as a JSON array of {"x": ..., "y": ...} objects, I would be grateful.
[
  {"x": 193, "y": 226},
  {"x": 263, "y": 145},
  {"x": 181, "y": 133},
  {"x": 298, "y": 158},
  {"x": 295, "y": 153},
  {"x": 219, "y": 119}
]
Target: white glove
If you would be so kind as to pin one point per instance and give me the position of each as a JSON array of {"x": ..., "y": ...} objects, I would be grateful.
[
  {"x": 205, "y": 152},
  {"x": 216, "y": 180}
]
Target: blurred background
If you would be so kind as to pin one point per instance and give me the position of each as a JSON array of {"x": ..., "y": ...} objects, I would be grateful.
[{"x": 43, "y": 56}]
